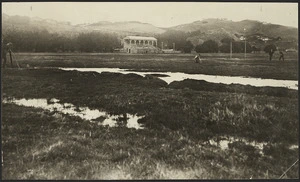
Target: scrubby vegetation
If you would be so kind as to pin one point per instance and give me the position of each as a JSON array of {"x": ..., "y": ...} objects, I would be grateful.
[{"x": 179, "y": 121}]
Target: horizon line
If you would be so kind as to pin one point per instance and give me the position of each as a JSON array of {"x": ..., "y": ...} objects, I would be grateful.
[{"x": 226, "y": 19}]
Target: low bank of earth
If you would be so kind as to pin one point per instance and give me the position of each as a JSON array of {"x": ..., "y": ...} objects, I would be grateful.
[{"x": 256, "y": 65}]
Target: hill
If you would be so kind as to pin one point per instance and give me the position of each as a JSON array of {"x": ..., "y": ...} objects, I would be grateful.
[
  {"x": 126, "y": 27},
  {"x": 52, "y": 26},
  {"x": 258, "y": 33}
]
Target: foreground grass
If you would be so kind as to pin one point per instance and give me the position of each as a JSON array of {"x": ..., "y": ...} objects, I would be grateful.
[
  {"x": 41, "y": 145},
  {"x": 256, "y": 65},
  {"x": 180, "y": 119},
  {"x": 263, "y": 115}
]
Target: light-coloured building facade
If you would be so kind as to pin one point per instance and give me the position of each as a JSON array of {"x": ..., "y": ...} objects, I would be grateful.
[{"x": 139, "y": 44}]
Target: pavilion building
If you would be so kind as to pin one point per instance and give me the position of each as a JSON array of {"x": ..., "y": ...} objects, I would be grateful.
[{"x": 139, "y": 44}]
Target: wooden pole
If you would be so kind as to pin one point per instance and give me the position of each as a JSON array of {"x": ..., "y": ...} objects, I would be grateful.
[
  {"x": 10, "y": 56},
  {"x": 4, "y": 59},
  {"x": 230, "y": 49},
  {"x": 245, "y": 48},
  {"x": 245, "y": 42}
]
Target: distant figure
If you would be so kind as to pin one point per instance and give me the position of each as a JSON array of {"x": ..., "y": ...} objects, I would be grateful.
[
  {"x": 271, "y": 54},
  {"x": 197, "y": 58},
  {"x": 6, "y": 49},
  {"x": 3, "y": 55},
  {"x": 281, "y": 56}
]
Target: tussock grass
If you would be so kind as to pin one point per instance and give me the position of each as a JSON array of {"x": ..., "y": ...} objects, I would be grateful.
[
  {"x": 117, "y": 153},
  {"x": 39, "y": 144}
]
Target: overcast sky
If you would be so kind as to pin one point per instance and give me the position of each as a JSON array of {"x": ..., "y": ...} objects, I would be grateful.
[{"x": 162, "y": 14}]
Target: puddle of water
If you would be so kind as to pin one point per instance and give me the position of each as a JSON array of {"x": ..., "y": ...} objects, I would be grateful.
[
  {"x": 223, "y": 143},
  {"x": 178, "y": 76},
  {"x": 292, "y": 147},
  {"x": 130, "y": 121}
]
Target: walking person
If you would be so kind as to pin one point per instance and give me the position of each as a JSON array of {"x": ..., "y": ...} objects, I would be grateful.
[{"x": 281, "y": 56}]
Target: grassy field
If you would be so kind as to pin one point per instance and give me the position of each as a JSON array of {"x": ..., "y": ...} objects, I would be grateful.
[
  {"x": 180, "y": 119},
  {"x": 256, "y": 65}
]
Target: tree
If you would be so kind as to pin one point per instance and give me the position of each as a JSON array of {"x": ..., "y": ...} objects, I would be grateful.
[
  {"x": 225, "y": 47},
  {"x": 227, "y": 40},
  {"x": 198, "y": 48},
  {"x": 208, "y": 46},
  {"x": 239, "y": 47},
  {"x": 97, "y": 42},
  {"x": 270, "y": 49},
  {"x": 255, "y": 49},
  {"x": 173, "y": 36},
  {"x": 188, "y": 46}
]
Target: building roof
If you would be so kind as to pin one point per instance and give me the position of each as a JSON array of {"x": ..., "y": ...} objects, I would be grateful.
[{"x": 139, "y": 38}]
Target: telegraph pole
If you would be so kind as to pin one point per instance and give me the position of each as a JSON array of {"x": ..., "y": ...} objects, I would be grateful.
[
  {"x": 245, "y": 42},
  {"x": 230, "y": 49}
]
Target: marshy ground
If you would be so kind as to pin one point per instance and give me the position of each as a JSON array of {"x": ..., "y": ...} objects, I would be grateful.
[{"x": 180, "y": 120}]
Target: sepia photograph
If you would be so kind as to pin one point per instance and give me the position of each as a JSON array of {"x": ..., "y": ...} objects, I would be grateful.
[{"x": 149, "y": 90}]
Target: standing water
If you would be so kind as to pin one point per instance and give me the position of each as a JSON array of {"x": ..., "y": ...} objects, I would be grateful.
[
  {"x": 223, "y": 143},
  {"x": 92, "y": 115},
  {"x": 178, "y": 76}
]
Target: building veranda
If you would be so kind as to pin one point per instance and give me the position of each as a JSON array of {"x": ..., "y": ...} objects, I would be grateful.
[{"x": 139, "y": 44}]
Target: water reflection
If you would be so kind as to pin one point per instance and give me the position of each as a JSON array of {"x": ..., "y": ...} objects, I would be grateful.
[
  {"x": 224, "y": 141},
  {"x": 92, "y": 115},
  {"x": 178, "y": 76}
]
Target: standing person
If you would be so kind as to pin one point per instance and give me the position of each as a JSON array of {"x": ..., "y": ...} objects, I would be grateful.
[
  {"x": 281, "y": 56},
  {"x": 271, "y": 54},
  {"x": 3, "y": 54},
  {"x": 9, "y": 47}
]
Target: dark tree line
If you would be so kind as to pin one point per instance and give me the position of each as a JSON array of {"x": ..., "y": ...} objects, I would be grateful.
[
  {"x": 43, "y": 41},
  {"x": 210, "y": 46},
  {"x": 172, "y": 36}
]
